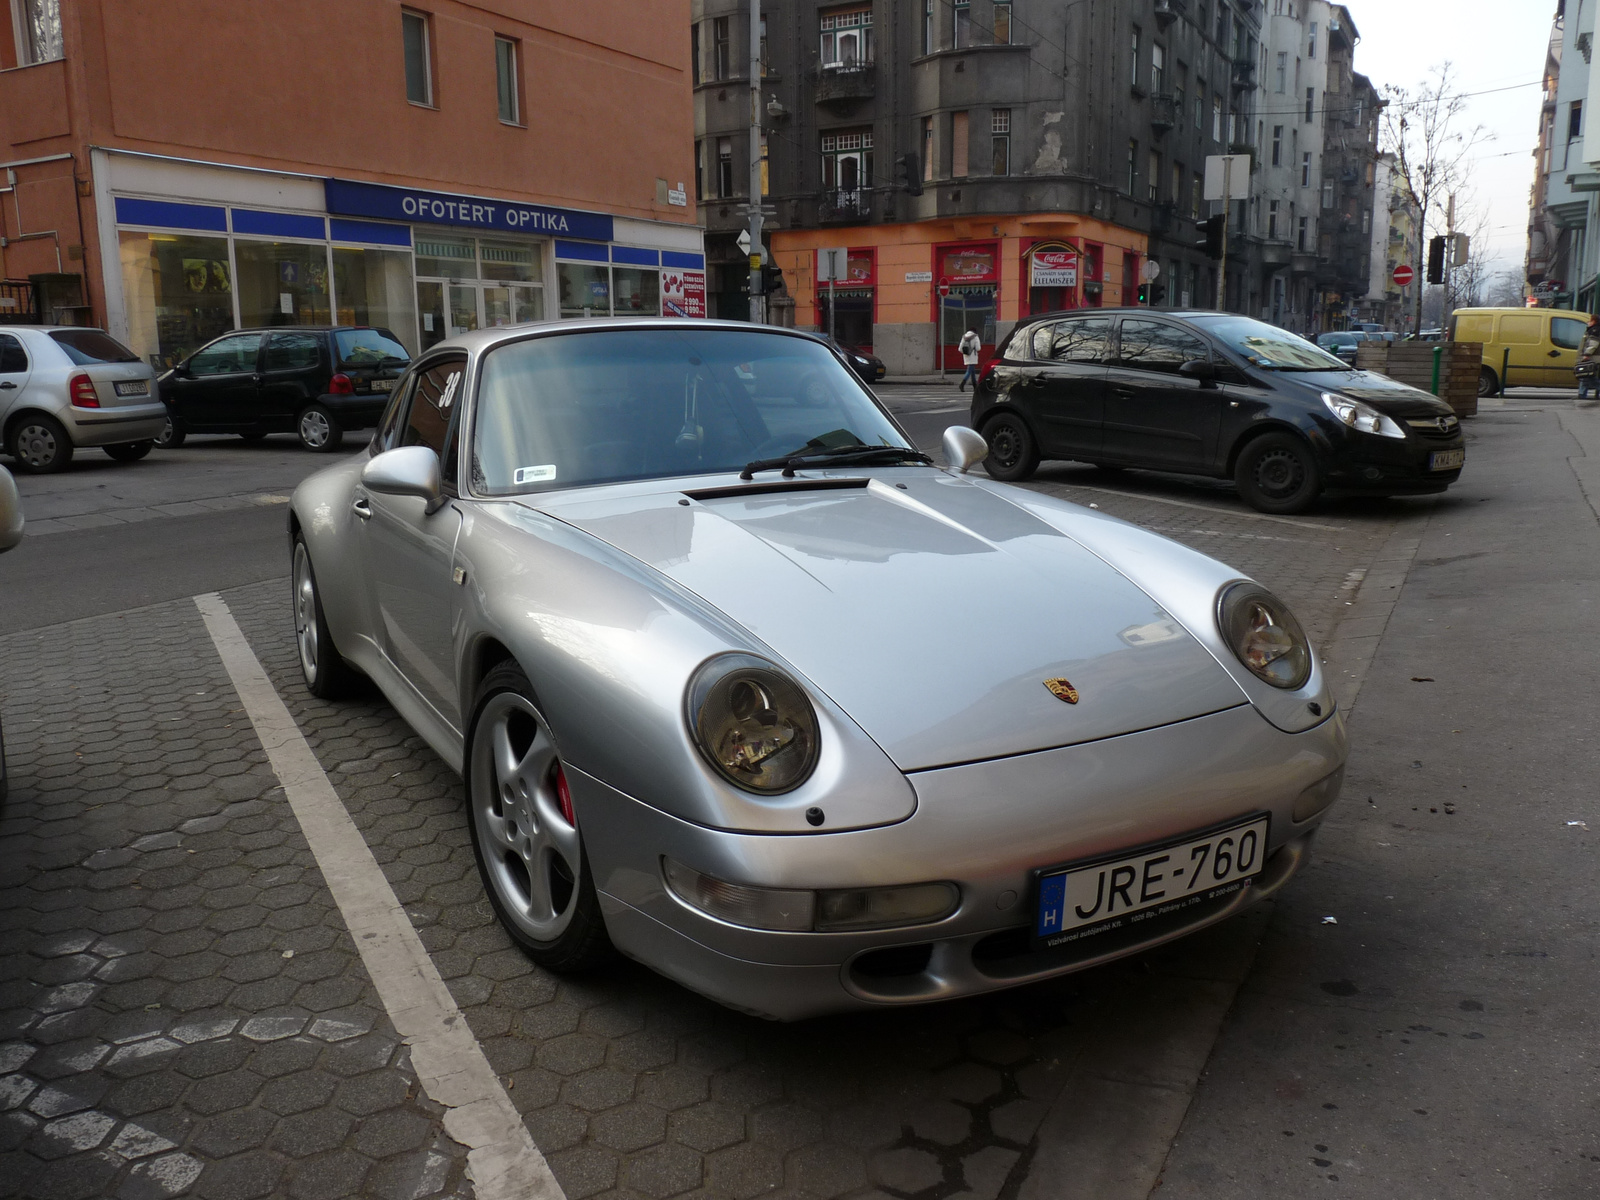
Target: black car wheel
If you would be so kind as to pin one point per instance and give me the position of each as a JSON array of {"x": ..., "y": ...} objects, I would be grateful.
[
  {"x": 318, "y": 430},
  {"x": 40, "y": 445},
  {"x": 525, "y": 830},
  {"x": 327, "y": 675},
  {"x": 1276, "y": 473},
  {"x": 1488, "y": 382},
  {"x": 1013, "y": 453},
  {"x": 171, "y": 436},
  {"x": 128, "y": 451}
]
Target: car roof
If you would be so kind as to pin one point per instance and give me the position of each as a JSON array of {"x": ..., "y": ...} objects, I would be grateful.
[
  {"x": 53, "y": 328},
  {"x": 301, "y": 329},
  {"x": 484, "y": 339}
]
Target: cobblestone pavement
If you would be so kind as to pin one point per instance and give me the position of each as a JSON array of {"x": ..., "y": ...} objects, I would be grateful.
[{"x": 181, "y": 1007}]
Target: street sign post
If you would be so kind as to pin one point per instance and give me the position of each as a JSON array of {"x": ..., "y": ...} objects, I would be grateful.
[
  {"x": 1226, "y": 176},
  {"x": 832, "y": 262},
  {"x": 1403, "y": 275}
]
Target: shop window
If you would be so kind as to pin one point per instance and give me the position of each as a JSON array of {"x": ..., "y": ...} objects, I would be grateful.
[
  {"x": 636, "y": 292},
  {"x": 585, "y": 289},
  {"x": 178, "y": 291},
  {"x": 507, "y": 80},
  {"x": 1000, "y": 129},
  {"x": 516, "y": 261},
  {"x": 1002, "y": 23},
  {"x": 37, "y": 27},
  {"x": 282, "y": 283},
  {"x": 430, "y": 314},
  {"x": 374, "y": 287},
  {"x": 446, "y": 258},
  {"x": 419, "y": 56},
  {"x": 846, "y": 37}
]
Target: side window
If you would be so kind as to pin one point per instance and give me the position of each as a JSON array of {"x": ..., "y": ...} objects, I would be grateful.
[
  {"x": 229, "y": 356},
  {"x": 1082, "y": 340},
  {"x": 1566, "y": 332},
  {"x": 387, "y": 437},
  {"x": 13, "y": 358},
  {"x": 293, "y": 352},
  {"x": 433, "y": 404},
  {"x": 1041, "y": 340},
  {"x": 1157, "y": 346}
]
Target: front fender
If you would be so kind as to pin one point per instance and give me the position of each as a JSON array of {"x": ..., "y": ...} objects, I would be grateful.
[
  {"x": 610, "y": 645},
  {"x": 320, "y": 510}
]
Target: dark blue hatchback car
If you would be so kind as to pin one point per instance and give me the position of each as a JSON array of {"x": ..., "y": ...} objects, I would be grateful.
[{"x": 1206, "y": 393}]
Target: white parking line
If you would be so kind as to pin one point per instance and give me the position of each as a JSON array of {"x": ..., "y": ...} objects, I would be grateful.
[
  {"x": 1210, "y": 508},
  {"x": 502, "y": 1160}
]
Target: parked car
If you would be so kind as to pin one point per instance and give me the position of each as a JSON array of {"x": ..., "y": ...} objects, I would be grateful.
[
  {"x": 11, "y": 524},
  {"x": 1529, "y": 347},
  {"x": 664, "y": 592},
  {"x": 315, "y": 381},
  {"x": 1207, "y": 393},
  {"x": 63, "y": 388},
  {"x": 869, "y": 368},
  {"x": 1342, "y": 343}
]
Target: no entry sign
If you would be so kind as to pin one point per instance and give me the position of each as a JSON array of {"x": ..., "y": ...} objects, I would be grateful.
[{"x": 1403, "y": 275}]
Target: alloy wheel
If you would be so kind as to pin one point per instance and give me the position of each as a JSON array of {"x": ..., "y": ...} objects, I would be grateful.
[
  {"x": 305, "y": 612},
  {"x": 315, "y": 429},
  {"x": 532, "y": 853}
]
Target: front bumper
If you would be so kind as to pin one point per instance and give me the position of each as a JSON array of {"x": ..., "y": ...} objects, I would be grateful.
[
  {"x": 1365, "y": 463},
  {"x": 986, "y": 826},
  {"x": 110, "y": 426},
  {"x": 357, "y": 410}
]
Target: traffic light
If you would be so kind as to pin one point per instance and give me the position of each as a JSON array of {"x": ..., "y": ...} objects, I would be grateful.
[
  {"x": 1212, "y": 226},
  {"x": 1144, "y": 293},
  {"x": 911, "y": 173},
  {"x": 1158, "y": 293},
  {"x": 771, "y": 279},
  {"x": 1436, "y": 259}
]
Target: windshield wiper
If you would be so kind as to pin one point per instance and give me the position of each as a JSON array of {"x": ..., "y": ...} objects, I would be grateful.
[{"x": 835, "y": 454}]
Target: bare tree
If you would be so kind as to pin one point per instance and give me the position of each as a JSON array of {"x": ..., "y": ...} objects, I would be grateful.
[
  {"x": 1421, "y": 127},
  {"x": 1505, "y": 289},
  {"x": 1467, "y": 283}
]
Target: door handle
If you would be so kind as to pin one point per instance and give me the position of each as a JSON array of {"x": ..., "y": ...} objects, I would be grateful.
[
  {"x": 1555, "y": 354},
  {"x": 7, "y": 385},
  {"x": 1123, "y": 393},
  {"x": 361, "y": 508}
]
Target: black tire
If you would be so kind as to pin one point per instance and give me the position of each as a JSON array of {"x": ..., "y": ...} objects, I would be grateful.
[
  {"x": 172, "y": 436},
  {"x": 531, "y": 859},
  {"x": 317, "y": 429},
  {"x": 1488, "y": 381},
  {"x": 40, "y": 445},
  {"x": 1277, "y": 473},
  {"x": 1013, "y": 452},
  {"x": 128, "y": 451},
  {"x": 327, "y": 675}
]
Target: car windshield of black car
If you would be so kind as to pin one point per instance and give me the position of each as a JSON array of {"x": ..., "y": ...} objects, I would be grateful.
[
  {"x": 572, "y": 409},
  {"x": 368, "y": 347},
  {"x": 1267, "y": 346}
]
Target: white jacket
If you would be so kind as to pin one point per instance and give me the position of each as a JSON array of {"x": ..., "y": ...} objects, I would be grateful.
[{"x": 969, "y": 346}]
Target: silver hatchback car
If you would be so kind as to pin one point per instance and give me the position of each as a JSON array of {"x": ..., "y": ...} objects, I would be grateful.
[{"x": 64, "y": 387}]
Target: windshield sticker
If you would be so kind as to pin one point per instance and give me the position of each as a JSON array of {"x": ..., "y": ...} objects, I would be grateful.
[{"x": 534, "y": 474}]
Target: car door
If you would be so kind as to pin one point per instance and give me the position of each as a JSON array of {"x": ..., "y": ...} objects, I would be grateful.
[
  {"x": 293, "y": 366},
  {"x": 408, "y": 552},
  {"x": 1561, "y": 356},
  {"x": 1155, "y": 416},
  {"x": 14, "y": 371},
  {"x": 214, "y": 391},
  {"x": 1064, "y": 385}
]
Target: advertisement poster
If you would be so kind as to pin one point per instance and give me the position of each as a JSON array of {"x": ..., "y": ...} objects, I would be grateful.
[
  {"x": 969, "y": 266},
  {"x": 1054, "y": 268},
  {"x": 683, "y": 293}
]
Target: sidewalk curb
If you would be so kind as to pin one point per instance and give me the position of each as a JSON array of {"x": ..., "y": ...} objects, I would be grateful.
[{"x": 1108, "y": 1133}]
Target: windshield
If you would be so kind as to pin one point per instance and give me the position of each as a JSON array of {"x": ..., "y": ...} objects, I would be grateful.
[
  {"x": 1267, "y": 346},
  {"x": 85, "y": 347},
  {"x": 368, "y": 347},
  {"x": 599, "y": 407}
]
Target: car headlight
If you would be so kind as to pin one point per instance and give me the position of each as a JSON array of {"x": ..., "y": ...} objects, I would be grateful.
[
  {"x": 753, "y": 724},
  {"x": 1361, "y": 416},
  {"x": 796, "y": 910},
  {"x": 1263, "y": 635}
]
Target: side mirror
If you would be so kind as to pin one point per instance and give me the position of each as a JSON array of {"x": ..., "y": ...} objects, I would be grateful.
[
  {"x": 964, "y": 448},
  {"x": 1199, "y": 368},
  {"x": 408, "y": 471}
]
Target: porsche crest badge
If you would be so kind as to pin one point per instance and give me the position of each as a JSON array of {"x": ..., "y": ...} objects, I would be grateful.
[{"x": 1062, "y": 689}]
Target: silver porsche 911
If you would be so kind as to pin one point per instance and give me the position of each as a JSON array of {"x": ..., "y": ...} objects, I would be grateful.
[{"x": 745, "y": 687}]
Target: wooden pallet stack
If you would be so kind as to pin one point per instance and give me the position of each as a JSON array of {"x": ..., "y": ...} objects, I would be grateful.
[{"x": 1412, "y": 362}]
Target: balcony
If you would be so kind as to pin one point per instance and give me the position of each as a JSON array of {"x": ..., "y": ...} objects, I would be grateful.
[
  {"x": 845, "y": 204},
  {"x": 1168, "y": 11},
  {"x": 1244, "y": 74},
  {"x": 1163, "y": 112},
  {"x": 843, "y": 85},
  {"x": 1275, "y": 254}
]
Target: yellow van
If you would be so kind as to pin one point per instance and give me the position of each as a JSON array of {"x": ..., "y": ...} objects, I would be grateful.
[{"x": 1533, "y": 347}]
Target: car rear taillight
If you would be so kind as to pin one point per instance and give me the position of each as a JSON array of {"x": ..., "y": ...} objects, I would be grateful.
[
  {"x": 340, "y": 385},
  {"x": 81, "y": 389}
]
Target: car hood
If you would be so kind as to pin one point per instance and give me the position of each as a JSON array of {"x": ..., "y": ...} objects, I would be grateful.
[
  {"x": 1386, "y": 395},
  {"x": 931, "y": 610}
]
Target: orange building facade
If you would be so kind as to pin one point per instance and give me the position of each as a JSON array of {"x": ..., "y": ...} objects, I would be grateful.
[
  {"x": 430, "y": 168},
  {"x": 995, "y": 271}
]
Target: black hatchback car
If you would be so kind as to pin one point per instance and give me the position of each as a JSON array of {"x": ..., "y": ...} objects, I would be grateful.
[
  {"x": 1206, "y": 393},
  {"x": 868, "y": 367},
  {"x": 315, "y": 381}
]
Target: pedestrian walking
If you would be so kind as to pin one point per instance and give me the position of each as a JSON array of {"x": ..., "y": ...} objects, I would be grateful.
[
  {"x": 1589, "y": 360},
  {"x": 969, "y": 346}
]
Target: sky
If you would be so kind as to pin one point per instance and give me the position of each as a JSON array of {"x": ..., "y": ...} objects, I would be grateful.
[{"x": 1489, "y": 44}]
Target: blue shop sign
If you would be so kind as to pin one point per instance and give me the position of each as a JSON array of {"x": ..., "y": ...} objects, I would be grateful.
[{"x": 350, "y": 198}]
